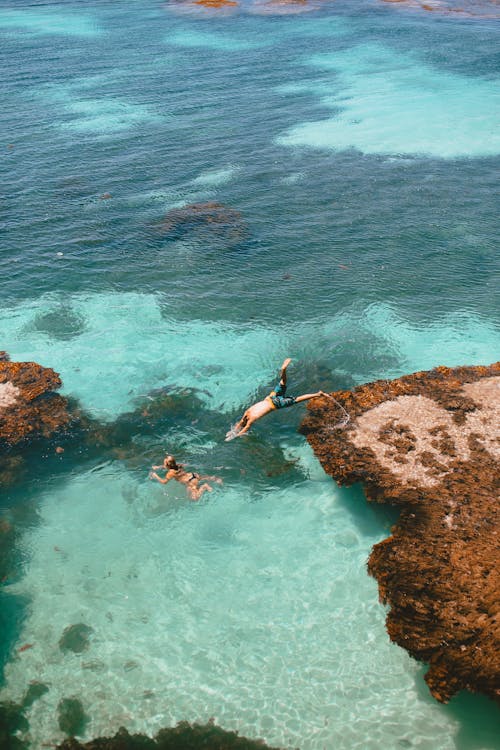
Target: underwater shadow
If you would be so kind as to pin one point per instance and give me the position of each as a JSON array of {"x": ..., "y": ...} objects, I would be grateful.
[
  {"x": 477, "y": 716},
  {"x": 479, "y": 720},
  {"x": 373, "y": 520}
]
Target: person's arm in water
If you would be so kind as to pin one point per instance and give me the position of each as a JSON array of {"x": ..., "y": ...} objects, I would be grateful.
[
  {"x": 243, "y": 425},
  {"x": 167, "y": 478}
]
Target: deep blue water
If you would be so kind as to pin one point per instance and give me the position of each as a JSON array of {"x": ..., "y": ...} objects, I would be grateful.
[{"x": 356, "y": 149}]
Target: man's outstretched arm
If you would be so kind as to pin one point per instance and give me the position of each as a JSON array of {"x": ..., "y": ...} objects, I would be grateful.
[{"x": 307, "y": 396}]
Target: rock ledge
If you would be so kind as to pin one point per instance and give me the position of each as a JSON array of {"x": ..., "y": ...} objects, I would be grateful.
[{"x": 429, "y": 443}]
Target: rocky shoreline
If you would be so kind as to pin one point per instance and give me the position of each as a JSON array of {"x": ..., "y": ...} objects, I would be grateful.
[{"x": 429, "y": 443}]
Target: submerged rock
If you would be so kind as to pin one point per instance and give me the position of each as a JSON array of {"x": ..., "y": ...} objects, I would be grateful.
[
  {"x": 61, "y": 324},
  {"x": 76, "y": 638},
  {"x": 182, "y": 737},
  {"x": 12, "y": 720},
  {"x": 33, "y": 693},
  {"x": 8, "y": 538},
  {"x": 429, "y": 443},
  {"x": 210, "y": 221},
  {"x": 71, "y": 716}
]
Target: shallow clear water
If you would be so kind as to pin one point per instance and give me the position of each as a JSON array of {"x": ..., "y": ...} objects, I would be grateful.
[{"x": 358, "y": 144}]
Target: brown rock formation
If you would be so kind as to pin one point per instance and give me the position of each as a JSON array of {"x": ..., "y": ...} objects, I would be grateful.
[
  {"x": 29, "y": 408},
  {"x": 429, "y": 443},
  {"x": 215, "y": 3}
]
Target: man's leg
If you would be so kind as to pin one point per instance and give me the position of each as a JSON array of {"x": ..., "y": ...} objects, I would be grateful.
[
  {"x": 283, "y": 372},
  {"x": 280, "y": 389}
]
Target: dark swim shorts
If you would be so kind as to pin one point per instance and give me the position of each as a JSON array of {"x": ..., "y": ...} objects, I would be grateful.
[{"x": 278, "y": 398}]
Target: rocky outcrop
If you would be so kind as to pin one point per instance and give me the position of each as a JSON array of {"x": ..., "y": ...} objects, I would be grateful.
[
  {"x": 29, "y": 406},
  {"x": 430, "y": 444},
  {"x": 215, "y": 3}
]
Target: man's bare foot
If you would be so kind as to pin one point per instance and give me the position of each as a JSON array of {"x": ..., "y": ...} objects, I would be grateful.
[{"x": 286, "y": 363}]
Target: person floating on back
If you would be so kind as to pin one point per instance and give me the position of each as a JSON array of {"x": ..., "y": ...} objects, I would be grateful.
[
  {"x": 190, "y": 479},
  {"x": 277, "y": 399}
]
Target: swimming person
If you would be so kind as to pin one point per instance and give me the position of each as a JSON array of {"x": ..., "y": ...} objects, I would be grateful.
[
  {"x": 277, "y": 399},
  {"x": 190, "y": 479}
]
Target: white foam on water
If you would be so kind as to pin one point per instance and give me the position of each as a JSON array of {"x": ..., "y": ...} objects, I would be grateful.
[
  {"x": 165, "y": 198},
  {"x": 42, "y": 21},
  {"x": 171, "y": 198},
  {"x": 86, "y": 111},
  {"x": 254, "y": 610},
  {"x": 389, "y": 103},
  {"x": 108, "y": 115},
  {"x": 154, "y": 204},
  {"x": 293, "y": 178},
  {"x": 215, "y": 177}
]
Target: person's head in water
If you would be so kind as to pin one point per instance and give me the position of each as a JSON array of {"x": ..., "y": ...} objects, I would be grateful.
[{"x": 171, "y": 463}]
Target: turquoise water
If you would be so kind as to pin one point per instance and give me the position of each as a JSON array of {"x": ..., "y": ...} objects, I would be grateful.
[{"x": 359, "y": 145}]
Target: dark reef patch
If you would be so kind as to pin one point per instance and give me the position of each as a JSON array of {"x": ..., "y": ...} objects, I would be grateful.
[
  {"x": 12, "y": 720},
  {"x": 182, "y": 737},
  {"x": 76, "y": 638},
  {"x": 209, "y": 223},
  {"x": 71, "y": 717},
  {"x": 61, "y": 324}
]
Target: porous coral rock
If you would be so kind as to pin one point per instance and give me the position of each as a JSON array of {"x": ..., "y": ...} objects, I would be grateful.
[
  {"x": 29, "y": 407},
  {"x": 429, "y": 443}
]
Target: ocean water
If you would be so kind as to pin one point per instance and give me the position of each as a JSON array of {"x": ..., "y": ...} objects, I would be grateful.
[{"x": 355, "y": 147}]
